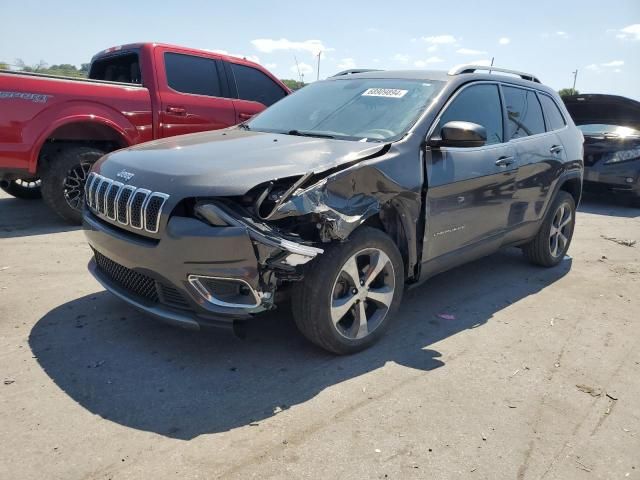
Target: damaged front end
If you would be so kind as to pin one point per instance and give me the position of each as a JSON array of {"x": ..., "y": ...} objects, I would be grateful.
[{"x": 291, "y": 221}]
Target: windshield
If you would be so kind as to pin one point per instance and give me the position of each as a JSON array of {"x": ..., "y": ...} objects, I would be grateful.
[
  {"x": 604, "y": 129},
  {"x": 373, "y": 110}
]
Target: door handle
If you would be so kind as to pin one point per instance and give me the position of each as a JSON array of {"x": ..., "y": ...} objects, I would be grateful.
[
  {"x": 176, "y": 110},
  {"x": 504, "y": 161},
  {"x": 556, "y": 148},
  {"x": 245, "y": 116}
]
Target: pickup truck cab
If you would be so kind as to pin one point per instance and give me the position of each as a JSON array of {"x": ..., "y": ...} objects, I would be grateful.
[
  {"x": 340, "y": 195},
  {"x": 52, "y": 129}
]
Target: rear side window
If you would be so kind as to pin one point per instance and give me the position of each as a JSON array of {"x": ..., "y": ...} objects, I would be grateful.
[
  {"x": 117, "y": 68},
  {"x": 552, "y": 112},
  {"x": 190, "y": 74},
  {"x": 524, "y": 113},
  {"x": 256, "y": 86},
  {"x": 478, "y": 104}
]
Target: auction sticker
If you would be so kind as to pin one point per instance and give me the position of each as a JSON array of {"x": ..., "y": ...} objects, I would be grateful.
[{"x": 385, "y": 92}]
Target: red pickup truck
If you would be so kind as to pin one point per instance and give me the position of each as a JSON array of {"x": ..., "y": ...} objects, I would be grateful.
[{"x": 52, "y": 128}]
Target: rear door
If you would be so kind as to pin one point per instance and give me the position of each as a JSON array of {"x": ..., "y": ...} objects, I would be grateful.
[
  {"x": 192, "y": 94},
  {"x": 470, "y": 189},
  {"x": 253, "y": 88},
  {"x": 538, "y": 149}
]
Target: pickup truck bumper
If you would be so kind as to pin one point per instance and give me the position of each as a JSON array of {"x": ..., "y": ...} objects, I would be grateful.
[{"x": 196, "y": 275}]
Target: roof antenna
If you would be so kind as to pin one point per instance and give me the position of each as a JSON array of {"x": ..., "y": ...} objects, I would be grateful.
[{"x": 492, "y": 59}]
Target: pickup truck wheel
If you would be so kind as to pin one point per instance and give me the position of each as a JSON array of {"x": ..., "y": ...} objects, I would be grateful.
[
  {"x": 24, "y": 188},
  {"x": 350, "y": 293},
  {"x": 63, "y": 181},
  {"x": 552, "y": 241}
]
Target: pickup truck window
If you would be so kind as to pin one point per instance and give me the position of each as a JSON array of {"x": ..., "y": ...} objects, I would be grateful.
[
  {"x": 117, "y": 68},
  {"x": 255, "y": 86},
  {"x": 524, "y": 112},
  {"x": 552, "y": 112},
  {"x": 191, "y": 74},
  {"x": 478, "y": 104}
]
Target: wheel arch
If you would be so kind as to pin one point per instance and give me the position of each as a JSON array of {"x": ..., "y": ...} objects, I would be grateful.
[
  {"x": 394, "y": 219},
  {"x": 96, "y": 132},
  {"x": 572, "y": 184}
]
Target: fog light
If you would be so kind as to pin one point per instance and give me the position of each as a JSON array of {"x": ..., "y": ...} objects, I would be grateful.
[
  {"x": 629, "y": 180},
  {"x": 225, "y": 292}
]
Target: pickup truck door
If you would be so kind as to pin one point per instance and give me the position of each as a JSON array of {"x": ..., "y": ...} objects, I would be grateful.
[
  {"x": 192, "y": 96},
  {"x": 470, "y": 189},
  {"x": 253, "y": 89}
]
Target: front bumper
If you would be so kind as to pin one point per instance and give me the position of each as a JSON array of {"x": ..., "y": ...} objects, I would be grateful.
[
  {"x": 167, "y": 277},
  {"x": 619, "y": 178},
  {"x": 189, "y": 247}
]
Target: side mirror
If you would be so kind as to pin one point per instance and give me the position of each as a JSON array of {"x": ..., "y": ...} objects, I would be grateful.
[{"x": 460, "y": 134}]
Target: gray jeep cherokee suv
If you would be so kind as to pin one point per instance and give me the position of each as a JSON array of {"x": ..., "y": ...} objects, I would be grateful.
[{"x": 338, "y": 196}]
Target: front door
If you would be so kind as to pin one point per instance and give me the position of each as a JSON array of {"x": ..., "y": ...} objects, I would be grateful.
[{"x": 470, "y": 190}]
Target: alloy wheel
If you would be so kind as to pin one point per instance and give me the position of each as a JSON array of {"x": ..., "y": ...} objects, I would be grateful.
[
  {"x": 74, "y": 184},
  {"x": 559, "y": 233},
  {"x": 362, "y": 293}
]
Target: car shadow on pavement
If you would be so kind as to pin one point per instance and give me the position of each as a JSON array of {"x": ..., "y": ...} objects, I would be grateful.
[
  {"x": 141, "y": 374},
  {"x": 23, "y": 218},
  {"x": 609, "y": 205}
]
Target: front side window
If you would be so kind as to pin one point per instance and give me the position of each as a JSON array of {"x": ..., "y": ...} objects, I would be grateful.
[
  {"x": 191, "y": 74},
  {"x": 477, "y": 104},
  {"x": 365, "y": 109},
  {"x": 552, "y": 112},
  {"x": 524, "y": 113},
  {"x": 255, "y": 86}
]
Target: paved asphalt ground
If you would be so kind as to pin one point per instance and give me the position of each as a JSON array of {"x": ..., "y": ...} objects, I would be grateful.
[{"x": 537, "y": 377}]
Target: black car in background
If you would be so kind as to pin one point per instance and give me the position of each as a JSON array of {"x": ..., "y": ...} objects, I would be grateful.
[
  {"x": 340, "y": 195},
  {"x": 611, "y": 128}
]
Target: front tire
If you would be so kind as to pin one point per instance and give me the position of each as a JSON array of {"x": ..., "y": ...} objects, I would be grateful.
[
  {"x": 552, "y": 241},
  {"x": 64, "y": 178},
  {"x": 350, "y": 293},
  {"x": 23, "y": 188}
]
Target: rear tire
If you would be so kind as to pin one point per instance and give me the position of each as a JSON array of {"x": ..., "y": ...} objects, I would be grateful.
[
  {"x": 23, "y": 188},
  {"x": 552, "y": 241},
  {"x": 340, "y": 313},
  {"x": 63, "y": 181}
]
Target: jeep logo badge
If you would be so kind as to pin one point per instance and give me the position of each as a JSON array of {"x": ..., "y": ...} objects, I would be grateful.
[{"x": 125, "y": 175}]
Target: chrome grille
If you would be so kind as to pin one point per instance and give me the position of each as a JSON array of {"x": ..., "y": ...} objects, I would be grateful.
[{"x": 137, "y": 207}]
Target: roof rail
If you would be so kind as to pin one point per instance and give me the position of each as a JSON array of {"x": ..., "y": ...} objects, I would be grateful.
[
  {"x": 355, "y": 70},
  {"x": 472, "y": 68}
]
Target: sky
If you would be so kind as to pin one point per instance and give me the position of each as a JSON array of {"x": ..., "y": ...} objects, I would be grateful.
[{"x": 551, "y": 39}]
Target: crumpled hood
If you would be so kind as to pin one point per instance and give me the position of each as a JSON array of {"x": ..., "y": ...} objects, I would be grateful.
[{"x": 226, "y": 162}]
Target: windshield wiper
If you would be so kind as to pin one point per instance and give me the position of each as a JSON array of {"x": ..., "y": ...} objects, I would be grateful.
[
  {"x": 244, "y": 126},
  {"x": 302, "y": 133}
]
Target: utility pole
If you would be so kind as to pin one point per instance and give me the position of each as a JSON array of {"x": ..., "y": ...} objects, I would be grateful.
[
  {"x": 575, "y": 77},
  {"x": 318, "y": 76},
  {"x": 300, "y": 76}
]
